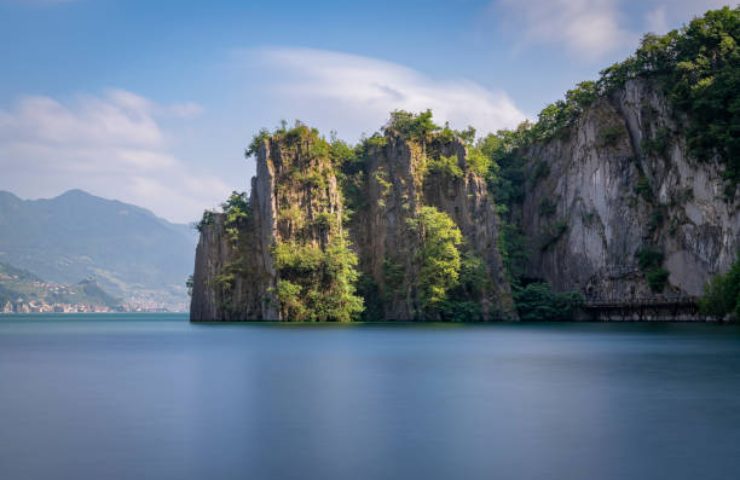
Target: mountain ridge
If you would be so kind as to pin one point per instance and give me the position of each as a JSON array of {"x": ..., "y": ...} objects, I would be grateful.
[{"x": 76, "y": 235}]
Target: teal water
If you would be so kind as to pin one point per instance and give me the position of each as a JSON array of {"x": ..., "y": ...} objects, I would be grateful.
[{"x": 152, "y": 396}]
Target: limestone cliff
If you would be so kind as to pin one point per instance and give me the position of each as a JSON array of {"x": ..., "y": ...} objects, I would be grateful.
[
  {"x": 399, "y": 182},
  {"x": 620, "y": 185},
  {"x": 292, "y": 256},
  {"x": 294, "y": 197}
]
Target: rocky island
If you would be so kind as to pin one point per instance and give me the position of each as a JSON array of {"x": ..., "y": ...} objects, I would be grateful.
[{"x": 620, "y": 201}]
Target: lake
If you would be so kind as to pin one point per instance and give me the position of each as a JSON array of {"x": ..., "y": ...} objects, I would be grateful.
[{"x": 153, "y": 396}]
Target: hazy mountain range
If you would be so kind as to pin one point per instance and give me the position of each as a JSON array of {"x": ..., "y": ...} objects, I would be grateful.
[{"x": 129, "y": 251}]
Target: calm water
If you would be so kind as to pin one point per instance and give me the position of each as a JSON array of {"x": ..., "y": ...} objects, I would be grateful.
[{"x": 134, "y": 397}]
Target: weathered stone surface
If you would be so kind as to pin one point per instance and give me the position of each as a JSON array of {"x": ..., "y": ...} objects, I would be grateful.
[
  {"x": 594, "y": 173},
  {"x": 396, "y": 186}
]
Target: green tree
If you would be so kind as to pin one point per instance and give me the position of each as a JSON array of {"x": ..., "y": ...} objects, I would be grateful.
[
  {"x": 411, "y": 126},
  {"x": 236, "y": 212},
  {"x": 315, "y": 284},
  {"x": 439, "y": 255},
  {"x": 722, "y": 294},
  {"x": 537, "y": 302}
]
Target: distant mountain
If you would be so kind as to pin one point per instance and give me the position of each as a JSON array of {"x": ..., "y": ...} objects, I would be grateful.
[
  {"x": 130, "y": 252},
  {"x": 22, "y": 291}
]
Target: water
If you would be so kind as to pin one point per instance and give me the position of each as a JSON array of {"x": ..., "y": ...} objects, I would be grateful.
[{"x": 152, "y": 396}]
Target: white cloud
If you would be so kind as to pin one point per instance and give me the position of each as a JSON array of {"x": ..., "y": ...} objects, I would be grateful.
[
  {"x": 354, "y": 94},
  {"x": 667, "y": 14},
  {"x": 111, "y": 145},
  {"x": 592, "y": 29}
]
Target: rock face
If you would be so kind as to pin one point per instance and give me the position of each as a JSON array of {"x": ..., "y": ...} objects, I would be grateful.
[
  {"x": 293, "y": 196},
  {"x": 398, "y": 184},
  {"x": 620, "y": 182},
  {"x": 614, "y": 206},
  {"x": 296, "y": 193}
]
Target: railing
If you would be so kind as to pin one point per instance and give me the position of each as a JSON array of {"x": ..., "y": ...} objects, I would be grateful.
[
  {"x": 653, "y": 307},
  {"x": 656, "y": 300}
]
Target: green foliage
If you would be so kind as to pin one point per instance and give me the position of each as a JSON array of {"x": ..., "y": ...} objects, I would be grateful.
[
  {"x": 478, "y": 162},
  {"x": 650, "y": 260},
  {"x": 657, "y": 278},
  {"x": 317, "y": 285},
  {"x": 310, "y": 178},
  {"x": 463, "y": 302},
  {"x": 209, "y": 216},
  {"x": 506, "y": 175},
  {"x": 293, "y": 216},
  {"x": 558, "y": 116},
  {"x": 536, "y": 302},
  {"x": 649, "y": 257},
  {"x": 446, "y": 166},
  {"x": 290, "y": 296},
  {"x": 299, "y": 135},
  {"x": 368, "y": 290},
  {"x": 439, "y": 255},
  {"x": 341, "y": 153},
  {"x": 411, "y": 126},
  {"x": 326, "y": 222},
  {"x": 697, "y": 66},
  {"x": 375, "y": 141},
  {"x": 512, "y": 246},
  {"x": 257, "y": 142},
  {"x": 236, "y": 212},
  {"x": 610, "y": 135},
  {"x": 722, "y": 294},
  {"x": 385, "y": 185},
  {"x": 295, "y": 259}
]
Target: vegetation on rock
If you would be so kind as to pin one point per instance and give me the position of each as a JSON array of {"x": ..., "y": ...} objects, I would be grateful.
[
  {"x": 650, "y": 260},
  {"x": 439, "y": 256},
  {"x": 538, "y": 303},
  {"x": 722, "y": 294},
  {"x": 696, "y": 68},
  {"x": 315, "y": 284}
]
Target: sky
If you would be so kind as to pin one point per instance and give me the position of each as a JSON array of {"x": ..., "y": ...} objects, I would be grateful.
[{"x": 152, "y": 102}]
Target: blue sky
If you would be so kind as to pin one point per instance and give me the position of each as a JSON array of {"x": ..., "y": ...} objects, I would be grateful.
[{"x": 152, "y": 102}]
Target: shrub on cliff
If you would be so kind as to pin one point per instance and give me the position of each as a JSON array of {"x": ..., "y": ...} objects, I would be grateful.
[
  {"x": 536, "y": 302},
  {"x": 698, "y": 67},
  {"x": 411, "y": 126},
  {"x": 236, "y": 212},
  {"x": 722, "y": 294},
  {"x": 315, "y": 284},
  {"x": 439, "y": 256}
]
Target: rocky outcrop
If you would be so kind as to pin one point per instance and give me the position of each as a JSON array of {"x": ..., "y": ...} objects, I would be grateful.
[
  {"x": 398, "y": 184},
  {"x": 620, "y": 182},
  {"x": 235, "y": 274},
  {"x": 296, "y": 201}
]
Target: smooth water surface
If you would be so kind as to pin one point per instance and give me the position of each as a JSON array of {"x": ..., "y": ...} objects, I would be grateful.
[{"x": 152, "y": 396}]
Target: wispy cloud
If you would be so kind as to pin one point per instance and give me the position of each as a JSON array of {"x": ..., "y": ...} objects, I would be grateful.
[
  {"x": 112, "y": 145},
  {"x": 590, "y": 28},
  {"x": 593, "y": 29},
  {"x": 354, "y": 94},
  {"x": 662, "y": 15}
]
